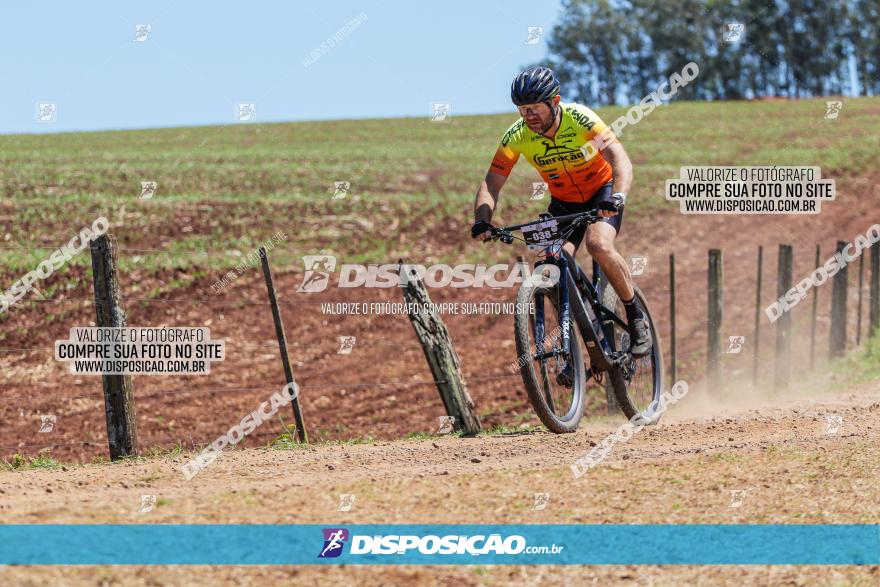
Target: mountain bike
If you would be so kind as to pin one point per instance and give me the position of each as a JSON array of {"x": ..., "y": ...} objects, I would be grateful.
[{"x": 547, "y": 334}]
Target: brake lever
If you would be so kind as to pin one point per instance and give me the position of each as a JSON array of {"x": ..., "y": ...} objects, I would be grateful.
[{"x": 502, "y": 235}]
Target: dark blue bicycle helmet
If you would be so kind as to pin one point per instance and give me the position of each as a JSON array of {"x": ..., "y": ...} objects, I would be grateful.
[{"x": 534, "y": 85}]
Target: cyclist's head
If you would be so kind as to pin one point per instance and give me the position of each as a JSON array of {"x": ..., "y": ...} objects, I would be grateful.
[{"x": 535, "y": 92}]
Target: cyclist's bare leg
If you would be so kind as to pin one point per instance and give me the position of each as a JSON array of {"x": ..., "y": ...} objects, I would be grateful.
[{"x": 600, "y": 244}]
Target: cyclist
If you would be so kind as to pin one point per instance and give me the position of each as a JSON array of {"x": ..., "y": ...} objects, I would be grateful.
[{"x": 550, "y": 135}]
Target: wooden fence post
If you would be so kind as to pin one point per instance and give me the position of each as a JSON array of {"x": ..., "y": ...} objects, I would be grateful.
[
  {"x": 282, "y": 347},
  {"x": 440, "y": 354},
  {"x": 837, "y": 344},
  {"x": 716, "y": 315},
  {"x": 861, "y": 287},
  {"x": 813, "y": 326},
  {"x": 757, "y": 344},
  {"x": 118, "y": 393},
  {"x": 673, "y": 367},
  {"x": 874, "y": 291},
  {"x": 783, "y": 325}
]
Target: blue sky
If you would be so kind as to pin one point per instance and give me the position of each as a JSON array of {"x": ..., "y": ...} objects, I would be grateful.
[{"x": 200, "y": 59}]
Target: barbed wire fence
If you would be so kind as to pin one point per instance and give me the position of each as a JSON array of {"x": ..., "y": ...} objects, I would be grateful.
[{"x": 692, "y": 361}]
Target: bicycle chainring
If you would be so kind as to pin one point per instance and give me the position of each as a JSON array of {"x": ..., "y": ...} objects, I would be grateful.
[{"x": 629, "y": 369}]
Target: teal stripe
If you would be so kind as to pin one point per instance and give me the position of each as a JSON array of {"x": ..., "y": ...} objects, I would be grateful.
[{"x": 822, "y": 544}]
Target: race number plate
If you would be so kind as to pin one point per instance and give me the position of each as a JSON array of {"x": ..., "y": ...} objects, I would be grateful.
[{"x": 541, "y": 235}]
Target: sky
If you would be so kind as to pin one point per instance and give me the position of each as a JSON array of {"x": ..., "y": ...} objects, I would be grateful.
[{"x": 199, "y": 60}]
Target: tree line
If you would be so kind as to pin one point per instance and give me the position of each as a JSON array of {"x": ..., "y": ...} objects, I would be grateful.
[{"x": 617, "y": 51}]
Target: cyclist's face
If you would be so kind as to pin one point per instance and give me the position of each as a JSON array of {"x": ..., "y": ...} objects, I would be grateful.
[{"x": 535, "y": 115}]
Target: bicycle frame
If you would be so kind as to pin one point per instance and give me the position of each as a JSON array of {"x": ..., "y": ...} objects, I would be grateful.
[
  {"x": 591, "y": 326},
  {"x": 601, "y": 357}
]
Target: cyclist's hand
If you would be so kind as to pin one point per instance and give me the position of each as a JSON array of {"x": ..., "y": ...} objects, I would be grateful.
[
  {"x": 481, "y": 229},
  {"x": 613, "y": 206}
]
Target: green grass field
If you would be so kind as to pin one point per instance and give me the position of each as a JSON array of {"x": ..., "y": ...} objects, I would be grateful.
[{"x": 224, "y": 189}]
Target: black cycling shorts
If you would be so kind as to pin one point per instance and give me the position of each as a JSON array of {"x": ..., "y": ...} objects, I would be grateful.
[{"x": 560, "y": 208}]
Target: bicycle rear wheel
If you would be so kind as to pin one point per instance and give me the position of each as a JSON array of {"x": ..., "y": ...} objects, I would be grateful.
[
  {"x": 559, "y": 408},
  {"x": 636, "y": 385}
]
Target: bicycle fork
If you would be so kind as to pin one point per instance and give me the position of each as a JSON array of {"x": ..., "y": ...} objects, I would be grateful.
[{"x": 564, "y": 319}]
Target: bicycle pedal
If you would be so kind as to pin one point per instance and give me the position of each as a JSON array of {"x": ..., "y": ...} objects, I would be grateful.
[{"x": 564, "y": 377}]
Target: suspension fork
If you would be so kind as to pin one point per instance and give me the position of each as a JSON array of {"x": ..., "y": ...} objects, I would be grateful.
[
  {"x": 564, "y": 308},
  {"x": 564, "y": 314},
  {"x": 539, "y": 325}
]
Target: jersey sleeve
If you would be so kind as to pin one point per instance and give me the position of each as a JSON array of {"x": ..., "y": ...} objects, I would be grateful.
[
  {"x": 507, "y": 153},
  {"x": 593, "y": 127},
  {"x": 504, "y": 160}
]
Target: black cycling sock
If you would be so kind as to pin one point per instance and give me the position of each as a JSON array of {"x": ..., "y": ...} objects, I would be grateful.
[{"x": 632, "y": 310}]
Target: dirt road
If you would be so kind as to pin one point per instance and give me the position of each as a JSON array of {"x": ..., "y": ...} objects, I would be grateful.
[{"x": 795, "y": 458}]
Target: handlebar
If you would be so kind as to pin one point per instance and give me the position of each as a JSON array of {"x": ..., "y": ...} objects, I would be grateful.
[{"x": 505, "y": 234}]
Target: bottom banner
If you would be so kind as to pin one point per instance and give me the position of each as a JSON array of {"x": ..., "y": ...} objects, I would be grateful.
[{"x": 138, "y": 544}]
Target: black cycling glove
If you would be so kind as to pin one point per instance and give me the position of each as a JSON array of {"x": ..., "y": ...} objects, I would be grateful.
[
  {"x": 615, "y": 204},
  {"x": 479, "y": 227}
]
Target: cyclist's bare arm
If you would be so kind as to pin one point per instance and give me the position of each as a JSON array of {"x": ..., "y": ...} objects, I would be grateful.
[
  {"x": 622, "y": 166},
  {"x": 487, "y": 198}
]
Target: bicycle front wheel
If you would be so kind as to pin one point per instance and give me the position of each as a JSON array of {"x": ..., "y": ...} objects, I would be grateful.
[{"x": 543, "y": 366}]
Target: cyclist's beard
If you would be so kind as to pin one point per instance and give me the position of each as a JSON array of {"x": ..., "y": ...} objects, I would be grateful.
[{"x": 541, "y": 127}]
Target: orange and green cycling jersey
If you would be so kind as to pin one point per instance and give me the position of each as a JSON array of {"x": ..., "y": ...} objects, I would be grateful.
[{"x": 569, "y": 174}]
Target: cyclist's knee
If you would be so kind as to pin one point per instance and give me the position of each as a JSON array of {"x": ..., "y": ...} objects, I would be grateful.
[{"x": 599, "y": 246}]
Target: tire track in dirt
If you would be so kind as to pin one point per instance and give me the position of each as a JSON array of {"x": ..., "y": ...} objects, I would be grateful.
[{"x": 775, "y": 450}]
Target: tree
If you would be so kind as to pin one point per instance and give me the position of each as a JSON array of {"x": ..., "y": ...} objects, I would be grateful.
[{"x": 607, "y": 51}]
